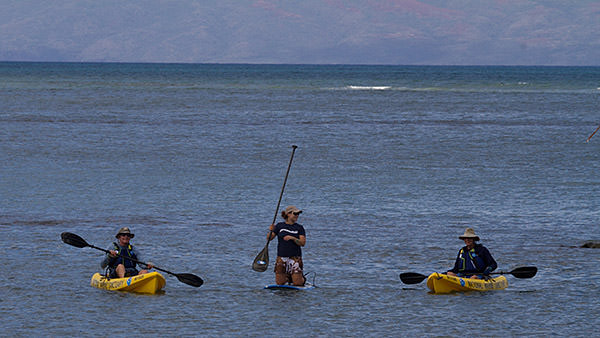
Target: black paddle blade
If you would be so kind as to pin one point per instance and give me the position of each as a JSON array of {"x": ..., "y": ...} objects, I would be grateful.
[
  {"x": 412, "y": 277},
  {"x": 73, "y": 240},
  {"x": 261, "y": 262},
  {"x": 524, "y": 272},
  {"x": 189, "y": 279}
]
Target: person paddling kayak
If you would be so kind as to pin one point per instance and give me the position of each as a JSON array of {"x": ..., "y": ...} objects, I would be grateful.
[
  {"x": 117, "y": 263},
  {"x": 291, "y": 236},
  {"x": 473, "y": 260}
]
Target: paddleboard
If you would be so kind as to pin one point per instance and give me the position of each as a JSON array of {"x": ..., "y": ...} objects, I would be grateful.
[{"x": 307, "y": 286}]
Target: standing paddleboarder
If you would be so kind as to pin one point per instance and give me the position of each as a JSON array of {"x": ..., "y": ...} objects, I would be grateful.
[{"x": 291, "y": 237}]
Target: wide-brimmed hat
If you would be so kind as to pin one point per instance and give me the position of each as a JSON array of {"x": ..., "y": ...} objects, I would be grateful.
[
  {"x": 124, "y": 231},
  {"x": 292, "y": 208},
  {"x": 469, "y": 233}
]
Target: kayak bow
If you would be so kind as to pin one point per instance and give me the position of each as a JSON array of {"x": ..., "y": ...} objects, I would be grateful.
[
  {"x": 151, "y": 283},
  {"x": 442, "y": 283}
]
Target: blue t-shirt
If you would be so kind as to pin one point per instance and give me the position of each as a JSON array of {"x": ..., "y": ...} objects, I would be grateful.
[{"x": 288, "y": 248}]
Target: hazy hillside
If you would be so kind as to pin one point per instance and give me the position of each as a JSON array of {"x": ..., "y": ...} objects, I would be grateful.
[{"x": 309, "y": 31}]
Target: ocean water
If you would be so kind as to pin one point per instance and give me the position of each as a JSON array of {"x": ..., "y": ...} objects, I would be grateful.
[{"x": 393, "y": 163}]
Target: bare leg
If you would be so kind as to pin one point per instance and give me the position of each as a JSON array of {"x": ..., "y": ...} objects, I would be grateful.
[
  {"x": 281, "y": 278},
  {"x": 120, "y": 270},
  {"x": 298, "y": 279}
]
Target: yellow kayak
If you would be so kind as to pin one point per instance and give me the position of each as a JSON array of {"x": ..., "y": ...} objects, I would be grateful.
[
  {"x": 442, "y": 283},
  {"x": 151, "y": 282}
]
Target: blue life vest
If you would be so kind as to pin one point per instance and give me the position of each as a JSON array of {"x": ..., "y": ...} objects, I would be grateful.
[
  {"x": 470, "y": 261},
  {"x": 127, "y": 252}
]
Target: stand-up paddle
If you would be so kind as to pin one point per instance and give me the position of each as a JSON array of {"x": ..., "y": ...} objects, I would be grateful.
[
  {"x": 79, "y": 242},
  {"x": 590, "y": 137},
  {"x": 522, "y": 272},
  {"x": 261, "y": 262}
]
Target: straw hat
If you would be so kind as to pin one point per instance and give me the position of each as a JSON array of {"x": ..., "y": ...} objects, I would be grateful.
[
  {"x": 469, "y": 233},
  {"x": 292, "y": 208},
  {"x": 124, "y": 231}
]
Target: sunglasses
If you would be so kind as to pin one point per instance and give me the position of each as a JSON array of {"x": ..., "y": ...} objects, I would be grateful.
[
  {"x": 126, "y": 235},
  {"x": 297, "y": 213}
]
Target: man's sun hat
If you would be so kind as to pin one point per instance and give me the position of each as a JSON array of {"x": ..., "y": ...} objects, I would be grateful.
[
  {"x": 469, "y": 233},
  {"x": 124, "y": 231}
]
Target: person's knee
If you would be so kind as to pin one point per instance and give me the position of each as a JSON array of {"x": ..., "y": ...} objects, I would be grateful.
[
  {"x": 120, "y": 271},
  {"x": 281, "y": 278},
  {"x": 298, "y": 279}
]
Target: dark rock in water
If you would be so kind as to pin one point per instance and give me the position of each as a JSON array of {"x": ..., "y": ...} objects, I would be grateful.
[{"x": 595, "y": 245}]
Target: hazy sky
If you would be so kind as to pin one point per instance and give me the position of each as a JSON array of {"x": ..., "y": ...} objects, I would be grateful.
[{"x": 461, "y": 32}]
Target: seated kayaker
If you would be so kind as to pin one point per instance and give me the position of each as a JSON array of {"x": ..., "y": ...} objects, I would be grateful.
[
  {"x": 116, "y": 260},
  {"x": 473, "y": 260}
]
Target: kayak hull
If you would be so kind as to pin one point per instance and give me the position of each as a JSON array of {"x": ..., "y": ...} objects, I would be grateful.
[
  {"x": 151, "y": 283},
  {"x": 442, "y": 283}
]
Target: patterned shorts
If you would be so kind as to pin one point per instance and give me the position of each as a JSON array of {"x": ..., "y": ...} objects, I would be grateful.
[{"x": 289, "y": 265}]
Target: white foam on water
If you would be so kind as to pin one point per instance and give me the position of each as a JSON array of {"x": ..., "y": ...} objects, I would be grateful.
[{"x": 369, "y": 87}]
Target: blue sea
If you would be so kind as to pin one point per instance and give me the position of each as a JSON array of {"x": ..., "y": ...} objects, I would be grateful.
[{"x": 392, "y": 164}]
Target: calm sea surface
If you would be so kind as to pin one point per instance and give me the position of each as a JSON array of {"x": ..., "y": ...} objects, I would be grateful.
[{"x": 393, "y": 163}]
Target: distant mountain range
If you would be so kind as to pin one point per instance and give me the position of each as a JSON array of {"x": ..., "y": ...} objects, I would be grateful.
[{"x": 461, "y": 32}]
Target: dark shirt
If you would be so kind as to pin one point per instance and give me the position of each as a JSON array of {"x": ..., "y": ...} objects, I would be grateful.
[
  {"x": 482, "y": 261},
  {"x": 288, "y": 248},
  {"x": 111, "y": 262}
]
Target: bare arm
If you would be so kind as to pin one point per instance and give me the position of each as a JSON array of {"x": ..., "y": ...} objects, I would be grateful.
[
  {"x": 271, "y": 234},
  {"x": 299, "y": 241}
]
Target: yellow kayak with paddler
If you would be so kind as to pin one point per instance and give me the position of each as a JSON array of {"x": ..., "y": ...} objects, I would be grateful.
[
  {"x": 151, "y": 283},
  {"x": 442, "y": 283}
]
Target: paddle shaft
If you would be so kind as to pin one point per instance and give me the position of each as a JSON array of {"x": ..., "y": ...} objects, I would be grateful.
[
  {"x": 282, "y": 189},
  {"x": 132, "y": 259},
  {"x": 284, "y": 182},
  {"x": 261, "y": 261},
  {"x": 516, "y": 274},
  {"x": 590, "y": 137},
  {"x": 76, "y": 241},
  {"x": 521, "y": 272}
]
